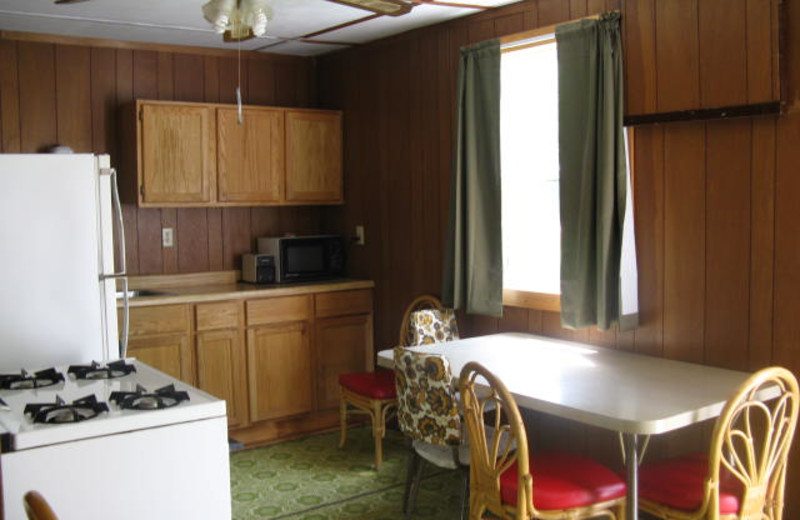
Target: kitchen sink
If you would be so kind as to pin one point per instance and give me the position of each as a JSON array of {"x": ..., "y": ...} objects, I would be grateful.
[{"x": 139, "y": 293}]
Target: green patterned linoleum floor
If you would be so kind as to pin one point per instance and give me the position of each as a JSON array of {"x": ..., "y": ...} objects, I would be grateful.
[{"x": 311, "y": 479}]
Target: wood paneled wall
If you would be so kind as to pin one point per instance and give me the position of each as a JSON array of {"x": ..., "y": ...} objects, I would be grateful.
[
  {"x": 717, "y": 203},
  {"x": 56, "y": 93}
]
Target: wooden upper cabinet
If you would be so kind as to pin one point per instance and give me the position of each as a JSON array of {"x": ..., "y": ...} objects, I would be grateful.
[
  {"x": 250, "y": 155},
  {"x": 313, "y": 156},
  {"x": 197, "y": 154},
  {"x": 708, "y": 54},
  {"x": 177, "y": 159}
]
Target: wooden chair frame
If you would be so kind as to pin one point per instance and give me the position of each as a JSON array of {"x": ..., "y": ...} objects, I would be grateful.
[
  {"x": 495, "y": 407},
  {"x": 37, "y": 508},
  {"x": 379, "y": 410},
  {"x": 751, "y": 440}
]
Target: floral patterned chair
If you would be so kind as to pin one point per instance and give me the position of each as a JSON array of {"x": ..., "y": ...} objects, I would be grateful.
[
  {"x": 428, "y": 415},
  {"x": 374, "y": 393}
]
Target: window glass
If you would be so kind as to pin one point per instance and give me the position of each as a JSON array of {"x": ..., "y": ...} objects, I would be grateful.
[{"x": 530, "y": 169}]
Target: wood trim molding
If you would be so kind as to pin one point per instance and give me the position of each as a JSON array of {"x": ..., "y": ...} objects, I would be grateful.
[
  {"x": 760, "y": 109},
  {"x": 532, "y": 300},
  {"x": 145, "y": 46}
]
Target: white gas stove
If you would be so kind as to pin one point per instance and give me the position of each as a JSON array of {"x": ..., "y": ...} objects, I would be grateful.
[{"x": 139, "y": 445}]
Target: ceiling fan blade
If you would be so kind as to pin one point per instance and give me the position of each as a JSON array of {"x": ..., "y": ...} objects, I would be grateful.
[
  {"x": 386, "y": 7},
  {"x": 69, "y": 1}
]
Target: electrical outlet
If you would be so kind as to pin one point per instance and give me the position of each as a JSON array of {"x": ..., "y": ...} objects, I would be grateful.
[
  {"x": 168, "y": 237},
  {"x": 360, "y": 235}
]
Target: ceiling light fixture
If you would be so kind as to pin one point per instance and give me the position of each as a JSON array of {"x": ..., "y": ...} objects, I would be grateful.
[
  {"x": 238, "y": 20},
  {"x": 387, "y": 7}
]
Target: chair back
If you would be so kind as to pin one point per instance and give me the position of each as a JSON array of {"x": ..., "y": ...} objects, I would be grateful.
[
  {"x": 420, "y": 303},
  {"x": 497, "y": 441},
  {"x": 37, "y": 508},
  {"x": 751, "y": 441},
  {"x": 427, "y": 409},
  {"x": 428, "y": 326}
]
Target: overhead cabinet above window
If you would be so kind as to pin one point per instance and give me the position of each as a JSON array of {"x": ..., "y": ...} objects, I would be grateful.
[{"x": 198, "y": 154}]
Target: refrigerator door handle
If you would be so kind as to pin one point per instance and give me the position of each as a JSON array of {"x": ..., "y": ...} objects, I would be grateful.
[{"x": 122, "y": 273}]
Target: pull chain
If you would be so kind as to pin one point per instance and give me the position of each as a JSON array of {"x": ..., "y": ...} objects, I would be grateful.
[{"x": 240, "y": 118}]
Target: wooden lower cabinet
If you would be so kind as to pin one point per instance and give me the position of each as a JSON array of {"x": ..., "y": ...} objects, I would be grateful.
[
  {"x": 167, "y": 353},
  {"x": 161, "y": 337},
  {"x": 220, "y": 365},
  {"x": 279, "y": 370},
  {"x": 274, "y": 360},
  {"x": 340, "y": 348}
]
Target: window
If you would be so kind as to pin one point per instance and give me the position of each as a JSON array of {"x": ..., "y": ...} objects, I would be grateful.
[
  {"x": 529, "y": 176},
  {"x": 530, "y": 171}
]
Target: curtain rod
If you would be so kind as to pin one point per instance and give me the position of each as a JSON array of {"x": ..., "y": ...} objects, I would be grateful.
[{"x": 540, "y": 34}]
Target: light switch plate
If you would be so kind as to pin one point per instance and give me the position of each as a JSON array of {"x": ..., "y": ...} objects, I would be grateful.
[
  {"x": 359, "y": 235},
  {"x": 168, "y": 237}
]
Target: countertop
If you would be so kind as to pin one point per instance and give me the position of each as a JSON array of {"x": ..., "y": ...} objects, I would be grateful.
[{"x": 181, "y": 289}]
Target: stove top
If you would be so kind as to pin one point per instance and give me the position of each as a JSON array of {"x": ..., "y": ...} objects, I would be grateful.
[
  {"x": 25, "y": 379},
  {"x": 141, "y": 399},
  {"x": 114, "y": 369},
  {"x": 95, "y": 403},
  {"x": 61, "y": 411}
]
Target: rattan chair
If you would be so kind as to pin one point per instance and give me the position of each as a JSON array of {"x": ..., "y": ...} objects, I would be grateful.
[
  {"x": 744, "y": 474},
  {"x": 374, "y": 393},
  {"x": 37, "y": 508},
  {"x": 428, "y": 415},
  {"x": 511, "y": 483}
]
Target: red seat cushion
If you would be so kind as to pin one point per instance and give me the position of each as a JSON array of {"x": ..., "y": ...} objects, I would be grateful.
[
  {"x": 678, "y": 483},
  {"x": 375, "y": 385},
  {"x": 563, "y": 480}
]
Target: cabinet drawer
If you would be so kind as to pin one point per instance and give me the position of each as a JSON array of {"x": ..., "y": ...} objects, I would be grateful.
[
  {"x": 159, "y": 319},
  {"x": 343, "y": 303},
  {"x": 220, "y": 315},
  {"x": 277, "y": 310}
]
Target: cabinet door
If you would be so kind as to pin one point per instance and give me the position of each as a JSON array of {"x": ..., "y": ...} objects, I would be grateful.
[
  {"x": 343, "y": 345},
  {"x": 221, "y": 369},
  {"x": 250, "y": 155},
  {"x": 279, "y": 370},
  {"x": 168, "y": 353},
  {"x": 313, "y": 156},
  {"x": 177, "y": 154}
]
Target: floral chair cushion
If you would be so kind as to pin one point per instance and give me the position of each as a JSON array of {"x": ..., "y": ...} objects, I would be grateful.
[
  {"x": 432, "y": 326},
  {"x": 426, "y": 404}
]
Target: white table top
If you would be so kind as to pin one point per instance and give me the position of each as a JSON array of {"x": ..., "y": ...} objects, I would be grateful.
[{"x": 620, "y": 391}]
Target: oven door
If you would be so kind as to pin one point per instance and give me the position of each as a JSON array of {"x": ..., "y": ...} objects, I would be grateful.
[{"x": 163, "y": 473}]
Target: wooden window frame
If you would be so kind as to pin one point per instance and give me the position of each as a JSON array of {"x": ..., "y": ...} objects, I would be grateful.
[{"x": 511, "y": 43}]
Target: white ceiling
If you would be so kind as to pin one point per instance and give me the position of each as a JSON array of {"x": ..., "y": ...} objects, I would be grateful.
[{"x": 181, "y": 22}]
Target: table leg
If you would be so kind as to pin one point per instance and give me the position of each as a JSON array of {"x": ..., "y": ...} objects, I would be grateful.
[{"x": 632, "y": 475}]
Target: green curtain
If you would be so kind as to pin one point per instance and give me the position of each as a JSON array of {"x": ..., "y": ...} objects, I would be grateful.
[
  {"x": 472, "y": 277},
  {"x": 593, "y": 170}
]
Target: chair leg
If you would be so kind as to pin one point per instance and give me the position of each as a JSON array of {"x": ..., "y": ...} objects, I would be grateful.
[
  {"x": 464, "y": 492},
  {"x": 621, "y": 512},
  {"x": 415, "y": 485},
  {"x": 378, "y": 428},
  {"x": 411, "y": 466},
  {"x": 342, "y": 422}
]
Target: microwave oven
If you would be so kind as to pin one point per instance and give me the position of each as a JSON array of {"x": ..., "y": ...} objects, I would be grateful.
[{"x": 305, "y": 258}]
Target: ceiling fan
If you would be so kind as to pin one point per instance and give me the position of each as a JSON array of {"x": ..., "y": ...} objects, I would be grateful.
[
  {"x": 386, "y": 7},
  {"x": 239, "y": 20}
]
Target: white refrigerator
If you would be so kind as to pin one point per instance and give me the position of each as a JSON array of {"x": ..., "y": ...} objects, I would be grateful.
[{"x": 57, "y": 278}]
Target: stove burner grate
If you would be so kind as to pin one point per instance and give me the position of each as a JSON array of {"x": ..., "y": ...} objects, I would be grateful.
[
  {"x": 61, "y": 412},
  {"x": 25, "y": 380},
  {"x": 97, "y": 371},
  {"x": 141, "y": 399}
]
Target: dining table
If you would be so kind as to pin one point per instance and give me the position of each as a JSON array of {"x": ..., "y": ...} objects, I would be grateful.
[{"x": 633, "y": 394}]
